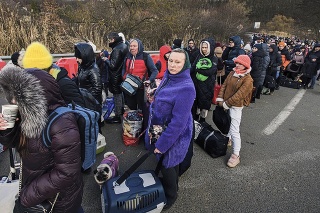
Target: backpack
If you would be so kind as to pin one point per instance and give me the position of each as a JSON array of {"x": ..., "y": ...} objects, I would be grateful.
[
  {"x": 89, "y": 101},
  {"x": 87, "y": 121}
]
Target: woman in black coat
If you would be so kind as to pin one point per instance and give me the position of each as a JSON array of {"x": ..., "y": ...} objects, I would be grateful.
[{"x": 203, "y": 72}]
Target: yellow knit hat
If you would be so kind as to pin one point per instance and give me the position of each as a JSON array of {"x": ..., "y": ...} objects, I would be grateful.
[{"x": 37, "y": 56}]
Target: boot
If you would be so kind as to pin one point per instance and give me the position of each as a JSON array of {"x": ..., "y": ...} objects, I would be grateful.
[
  {"x": 113, "y": 120},
  {"x": 259, "y": 90}
]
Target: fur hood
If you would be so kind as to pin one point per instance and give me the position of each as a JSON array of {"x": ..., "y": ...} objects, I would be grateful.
[{"x": 35, "y": 92}]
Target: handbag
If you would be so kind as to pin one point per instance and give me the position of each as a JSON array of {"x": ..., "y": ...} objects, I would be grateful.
[
  {"x": 216, "y": 90},
  {"x": 131, "y": 84},
  {"x": 221, "y": 119},
  {"x": 45, "y": 207}
]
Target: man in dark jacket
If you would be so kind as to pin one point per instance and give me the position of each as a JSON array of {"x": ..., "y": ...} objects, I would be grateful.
[
  {"x": 115, "y": 64},
  {"x": 191, "y": 49},
  {"x": 232, "y": 51}
]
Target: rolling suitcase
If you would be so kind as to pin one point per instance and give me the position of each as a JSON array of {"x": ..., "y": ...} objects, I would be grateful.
[{"x": 138, "y": 192}]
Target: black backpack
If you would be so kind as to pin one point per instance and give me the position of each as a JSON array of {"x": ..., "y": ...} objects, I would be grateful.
[{"x": 89, "y": 101}]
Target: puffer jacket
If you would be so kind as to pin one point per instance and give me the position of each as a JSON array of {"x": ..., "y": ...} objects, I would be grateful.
[
  {"x": 46, "y": 171},
  {"x": 236, "y": 89},
  {"x": 68, "y": 88},
  {"x": 162, "y": 62},
  {"x": 115, "y": 64},
  {"x": 88, "y": 76},
  {"x": 204, "y": 89},
  {"x": 232, "y": 52},
  {"x": 259, "y": 65},
  {"x": 275, "y": 59}
]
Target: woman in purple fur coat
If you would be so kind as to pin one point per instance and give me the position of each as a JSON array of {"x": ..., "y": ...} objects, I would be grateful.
[{"x": 170, "y": 123}]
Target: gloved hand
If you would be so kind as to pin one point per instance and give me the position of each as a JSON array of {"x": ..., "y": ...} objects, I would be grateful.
[
  {"x": 18, "y": 207},
  {"x": 153, "y": 85},
  {"x": 294, "y": 61}
]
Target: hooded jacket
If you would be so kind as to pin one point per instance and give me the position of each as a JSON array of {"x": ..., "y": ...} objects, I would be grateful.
[
  {"x": 45, "y": 171},
  {"x": 68, "y": 88},
  {"x": 172, "y": 108},
  {"x": 115, "y": 64},
  {"x": 88, "y": 72},
  {"x": 232, "y": 52},
  {"x": 259, "y": 63},
  {"x": 204, "y": 89},
  {"x": 275, "y": 59},
  {"x": 163, "y": 61},
  {"x": 135, "y": 65}
]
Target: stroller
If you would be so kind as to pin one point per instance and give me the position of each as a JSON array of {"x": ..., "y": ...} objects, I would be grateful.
[{"x": 293, "y": 70}]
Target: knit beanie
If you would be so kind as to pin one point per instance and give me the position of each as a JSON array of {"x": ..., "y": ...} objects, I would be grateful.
[
  {"x": 177, "y": 43},
  {"x": 247, "y": 47},
  {"x": 244, "y": 60},
  {"x": 281, "y": 43},
  {"x": 258, "y": 46},
  {"x": 37, "y": 56}
]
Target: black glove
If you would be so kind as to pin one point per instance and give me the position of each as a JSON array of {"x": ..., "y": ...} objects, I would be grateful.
[
  {"x": 18, "y": 207},
  {"x": 293, "y": 61},
  {"x": 153, "y": 85}
]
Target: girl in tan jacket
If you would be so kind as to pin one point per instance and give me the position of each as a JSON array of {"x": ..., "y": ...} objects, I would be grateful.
[{"x": 236, "y": 92}]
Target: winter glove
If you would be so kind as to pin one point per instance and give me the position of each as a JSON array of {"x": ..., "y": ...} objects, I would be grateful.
[
  {"x": 153, "y": 85},
  {"x": 19, "y": 208}
]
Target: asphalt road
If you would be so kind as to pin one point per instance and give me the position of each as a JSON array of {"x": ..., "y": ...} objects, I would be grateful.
[{"x": 278, "y": 172}]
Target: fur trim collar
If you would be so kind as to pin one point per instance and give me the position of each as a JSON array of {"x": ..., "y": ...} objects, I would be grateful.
[{"x": 26, "y": 91}]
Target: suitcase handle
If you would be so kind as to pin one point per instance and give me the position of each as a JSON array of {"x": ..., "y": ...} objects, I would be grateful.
[{"x": 135, "y": 166}]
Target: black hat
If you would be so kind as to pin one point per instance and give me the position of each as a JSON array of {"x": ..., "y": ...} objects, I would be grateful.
[
  {"x": 113, "y": 35},
  {"x": 177, "y": 42},
  {"x": 14, "y": 58}
]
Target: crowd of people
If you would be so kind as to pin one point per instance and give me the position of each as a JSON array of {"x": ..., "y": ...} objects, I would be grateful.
[{"x": 188, "y": 76}]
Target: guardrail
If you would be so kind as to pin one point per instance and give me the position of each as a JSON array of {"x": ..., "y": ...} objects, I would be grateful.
[{"x": 65, "y": 55}]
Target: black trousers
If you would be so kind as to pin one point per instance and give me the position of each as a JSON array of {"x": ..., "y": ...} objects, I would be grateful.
[
  {"x": 170, "y": 179},
  {"x": 136, "y": 101}
]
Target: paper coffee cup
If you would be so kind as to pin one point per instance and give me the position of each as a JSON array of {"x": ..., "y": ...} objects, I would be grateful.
[{"x": 9, "y": 113}]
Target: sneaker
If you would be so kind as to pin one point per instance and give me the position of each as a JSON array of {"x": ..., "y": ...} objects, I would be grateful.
[{"x": 233, "y": 161}]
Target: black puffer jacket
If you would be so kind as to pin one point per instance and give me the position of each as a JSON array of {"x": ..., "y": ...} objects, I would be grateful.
[
  {"x": 232, "y": 52},
  {"x": 45, "y": 171},
  {"x": 116, "y": 62},
  {"x": 275, "y": 59},
  {"x": 204, "y": 89},
  {"x": 68, "y": 88},
  {"x": 259, "y": 64},
  {"x": 88, "y": 72}
]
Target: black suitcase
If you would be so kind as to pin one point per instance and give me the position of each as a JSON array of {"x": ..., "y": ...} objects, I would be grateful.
[
  {"x": 290, "y": 83},
  {"x": 211, "y": 140}
]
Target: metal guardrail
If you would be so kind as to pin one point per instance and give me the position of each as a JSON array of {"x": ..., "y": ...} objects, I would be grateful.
[{"x": 65, "y": 55}]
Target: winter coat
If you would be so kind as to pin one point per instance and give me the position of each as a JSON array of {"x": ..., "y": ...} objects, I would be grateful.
[
  {"x": 204, "y": 89},
  {"x": 275, "y": 60},
  {"x": 220, "y": 66},
  {"x": 192, "y": 53},
  {"x": 115, "y": 64},
  {"x": 46, "y": 171},
  {"x": 68, "y": 88},
  {"x": 310, "y": 67},
  {"x": 135, "y": 65},
  {"x": 266, "y": 61},
  {"x": 162, "y": 62},
  {"x": 236, "y": 89},
  {"x": 232, "y": 52},
  {"x": 88, "y": 76},
  {"x": 259, "y": 63},
  {"x": 172, "y": 108}
]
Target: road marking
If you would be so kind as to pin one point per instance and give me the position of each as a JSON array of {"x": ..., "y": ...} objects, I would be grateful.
[{"x": 284, "y": 114}]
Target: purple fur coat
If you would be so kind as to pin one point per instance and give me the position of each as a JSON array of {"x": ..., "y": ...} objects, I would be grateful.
[{"x": 172, "y": 108}]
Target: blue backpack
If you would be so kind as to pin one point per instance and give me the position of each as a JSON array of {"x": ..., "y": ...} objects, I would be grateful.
[{"x": 88, "y": 128}]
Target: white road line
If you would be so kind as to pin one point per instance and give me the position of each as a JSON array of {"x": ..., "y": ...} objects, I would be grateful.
[{"x": 284, "y": 114}]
